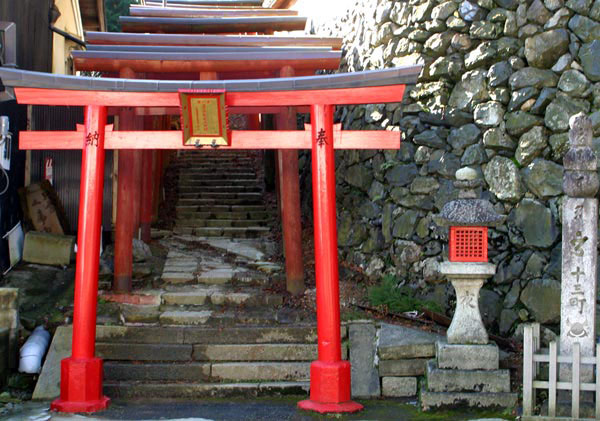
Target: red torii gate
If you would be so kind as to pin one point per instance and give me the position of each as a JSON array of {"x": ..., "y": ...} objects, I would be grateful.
[{"x": 81, "y": 374}]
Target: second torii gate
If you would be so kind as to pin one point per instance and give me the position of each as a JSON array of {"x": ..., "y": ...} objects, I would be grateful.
[{"x": 81, "y": 374}]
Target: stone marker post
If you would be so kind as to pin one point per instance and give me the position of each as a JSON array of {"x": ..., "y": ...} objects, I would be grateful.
[{"x": 579, "y": 246}]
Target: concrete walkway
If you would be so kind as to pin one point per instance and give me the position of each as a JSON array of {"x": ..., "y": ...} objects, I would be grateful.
[{"x": 283, "y": 409}]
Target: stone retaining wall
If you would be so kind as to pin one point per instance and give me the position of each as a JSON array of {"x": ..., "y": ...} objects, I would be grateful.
[{"x": 501, "y": 79}]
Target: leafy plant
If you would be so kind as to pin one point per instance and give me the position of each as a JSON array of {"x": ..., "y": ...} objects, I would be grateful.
[
  {"x": 390, "y": 296},
  {"x": 114, "y": 9}
]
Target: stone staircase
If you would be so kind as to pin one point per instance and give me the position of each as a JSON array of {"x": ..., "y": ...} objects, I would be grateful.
[
  {"x": 220, "y": 195},
  {"x": 189, "y": 362}
]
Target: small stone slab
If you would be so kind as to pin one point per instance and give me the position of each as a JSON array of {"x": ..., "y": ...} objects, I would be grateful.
[
  {"x": 398, "y": 387},
  {"x": 255, "y": 352},
  {"x": 363, "y": 355},
  {"x": 403, "y": 368},
  {"x": 192, "y": 298},
  {"x": 216, "y": 276},
  {"x": 118, "y": 371},
  {"x": 140, "y": 313},
  {"x": 399, "y": 342},
  {"x": 490, "y": 381},
  {"x": 48, "y": 384},
  {"x": 143, "y": 352},
  {"x": 252, "y": 371},
  {"x": 468, "y": 357},
  {"x": 178, "y": 277},
  {"x": 435, "y": 400},
  {"x": 185, "y": 317}
]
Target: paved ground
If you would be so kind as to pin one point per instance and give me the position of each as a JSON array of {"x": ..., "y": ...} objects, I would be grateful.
[{"x": 281, "y": 409}]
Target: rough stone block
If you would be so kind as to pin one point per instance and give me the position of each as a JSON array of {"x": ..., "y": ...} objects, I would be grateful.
[
  {"x": 4, "y": 334},
  {"x": 260, "y": 371},
  {"x": 9, "y": 298},
  {"x": 255, "y": 352},
  {"x": 363, "y": 353},
  {"x": 193, "y": 298},
  {"x": 402, "y": 368},
  {"x": 397, "y": 387},
  {"x": 48, "y": 249},
  {"x": 489, "y": 381},
  {"x": 436, "y": 400},
  {"x": 468, "y": 357},
  {"x": 399, "y": 342},
  {"x": 178, "y": 277}
]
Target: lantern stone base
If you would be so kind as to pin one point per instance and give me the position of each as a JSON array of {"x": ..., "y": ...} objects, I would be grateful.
[{"x": 466, "y": 375}]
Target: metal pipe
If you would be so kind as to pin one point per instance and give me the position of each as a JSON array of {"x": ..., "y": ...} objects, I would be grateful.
[{"x": 67, "y": 35}]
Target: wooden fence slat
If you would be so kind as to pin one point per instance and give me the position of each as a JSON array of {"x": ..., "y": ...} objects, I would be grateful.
[
  {"x": 528, "y": 370},
  {"x": 575, "y": 379},
  {"x": 597, "y": 382},
  {"x": 552, "y": 380}
]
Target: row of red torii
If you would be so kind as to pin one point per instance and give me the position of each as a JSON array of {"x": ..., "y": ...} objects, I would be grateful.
[{"x": 81, "y": 374}]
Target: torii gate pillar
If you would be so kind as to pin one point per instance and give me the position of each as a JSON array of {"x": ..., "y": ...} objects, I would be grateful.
[
  {"x": 329, "y": 375},
  {"x": 81, "y": 374}
]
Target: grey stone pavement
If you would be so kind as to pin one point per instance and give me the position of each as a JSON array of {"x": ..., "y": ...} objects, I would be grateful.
[{"x": 271, "y": 409}]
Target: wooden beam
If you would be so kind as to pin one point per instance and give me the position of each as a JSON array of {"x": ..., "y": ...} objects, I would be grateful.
[
  {"x": 115, "y": 38},
  {"x": 160, "y": 111},
  {"x": 212, "y": 25},
  {"x": 345, "y": 96},
  {"x": 241, "y": 139},
  {"x": 313, "y": 61},
  {"x": 181, "y": 12}
]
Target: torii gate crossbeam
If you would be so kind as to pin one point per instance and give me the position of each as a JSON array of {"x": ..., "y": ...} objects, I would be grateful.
[{"x": 81, "y": 375}]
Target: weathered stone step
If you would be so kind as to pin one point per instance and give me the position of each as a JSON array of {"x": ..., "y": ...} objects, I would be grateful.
[
  {"x": 218, "y": 176},
  {"x": 188, "y": 371},
  {"x": 245, "y": 232},
  {"x": 436, "y": 400},
  {"x": 236, "y": 172},
  {"x": 184, "y": 180},
  {"x": 226, "y": 215},
  {"x": 191, "y": 188},
  {"x": 253, "y": 371},
  {"x": 255, "y": 352},
  {"x": 220, "y": 223},
  {"x": 492, "y": 381},
  {"x": 220, "y": 208},
  {"x": 162, "y": 390},
  {"x": 144, "y": 352},
  {"x": 199, "y": 296},
  {"x": 219, "y": 195},
  {"x": 230, "y": 202},
  {"x": 306, "y": 334},
  {"x": 176, "y": 316}
]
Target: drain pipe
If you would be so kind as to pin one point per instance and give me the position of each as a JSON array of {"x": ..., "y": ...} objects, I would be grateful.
[{"x": 33, "y": 351}]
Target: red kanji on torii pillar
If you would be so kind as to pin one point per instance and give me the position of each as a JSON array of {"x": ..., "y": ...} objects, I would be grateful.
[{"x": 81, "y": 375}]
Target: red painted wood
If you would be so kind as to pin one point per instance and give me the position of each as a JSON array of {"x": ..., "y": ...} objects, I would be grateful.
[
  {"x": 289, "y": 194},
  {"x": 125, "y": 221},
  {"x": 81, "y": 374},
  {"x": 241, "y": 139},
  {"x": 187, "y": 12},
  {"x": 176, "y": 66},
  {"x": 329, "y": 375},
  {"x": 164, "y": 111},
  {"x": 114, "y": 38},
  {"x": 347, "y": 96}
]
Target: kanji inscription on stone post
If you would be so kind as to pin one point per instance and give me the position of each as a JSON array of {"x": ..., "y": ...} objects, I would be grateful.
[{"x": 580, "y": 238}]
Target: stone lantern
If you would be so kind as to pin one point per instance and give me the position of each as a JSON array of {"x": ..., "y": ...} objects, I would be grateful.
[
  {"x": 468, "y": 219},
  {"x": 466, "y": 368}
]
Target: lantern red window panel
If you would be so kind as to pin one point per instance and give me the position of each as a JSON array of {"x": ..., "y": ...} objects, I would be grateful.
[{"x": 468, "y": 244}]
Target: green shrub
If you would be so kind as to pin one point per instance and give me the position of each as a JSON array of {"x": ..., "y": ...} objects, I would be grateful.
[{"x": 389, "y": 296}]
